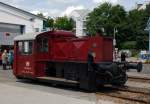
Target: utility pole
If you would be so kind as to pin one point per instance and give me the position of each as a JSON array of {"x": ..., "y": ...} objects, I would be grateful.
[
  {"x": 114, "y": 37},
  {"x": 149, "y": 41},
  {"x": 114, "y": 44}
]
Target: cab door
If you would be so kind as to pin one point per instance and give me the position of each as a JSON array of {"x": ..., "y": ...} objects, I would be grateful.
[{"x": 25, "y": 59}]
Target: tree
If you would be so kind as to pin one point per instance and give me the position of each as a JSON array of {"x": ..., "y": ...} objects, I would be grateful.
[
  {"x": 105, "y": 16},
  {"x": 147, "y": 10},
  {"x": 130, "y": 25},
  {"x": 136, "y": 23},
  {"x": 41, "y": 15},
  {"x": 49, "y": 23},
  {"x": 64, "y": 23}
]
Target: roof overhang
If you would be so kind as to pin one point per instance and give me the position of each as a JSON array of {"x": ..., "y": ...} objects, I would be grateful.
[{"x": 22, "y": 11}]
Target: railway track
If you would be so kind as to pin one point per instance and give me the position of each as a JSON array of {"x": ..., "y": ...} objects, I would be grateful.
[
  {"x": 130, "y": 94},
  {"x": 139, "y": 79}
]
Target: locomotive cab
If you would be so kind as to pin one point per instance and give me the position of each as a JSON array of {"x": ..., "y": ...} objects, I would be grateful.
[
  {"x": 30, "y": 51},
  {"x": 24, "y": 54}
]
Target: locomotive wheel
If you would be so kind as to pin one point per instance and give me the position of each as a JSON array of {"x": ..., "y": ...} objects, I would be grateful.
[{"x": 121, "y": 81}]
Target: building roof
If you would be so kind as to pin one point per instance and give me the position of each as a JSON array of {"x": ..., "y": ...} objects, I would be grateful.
[
  {"x": 20, "y": 10},
  {"x": 141, "y": 6},
  {"x": 80, "y": 13}
]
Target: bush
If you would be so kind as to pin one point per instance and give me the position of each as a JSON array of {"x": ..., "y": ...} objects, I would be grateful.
[
  {"x": 128, "y": 45},
  {"x": 135, "y": 53}
]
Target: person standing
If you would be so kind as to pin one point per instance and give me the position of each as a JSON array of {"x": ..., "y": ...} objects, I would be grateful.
[
  {"x": 123, "y": 57},
  {"x": 4, "y": 59},
  {"x": 10, "y": 59}
]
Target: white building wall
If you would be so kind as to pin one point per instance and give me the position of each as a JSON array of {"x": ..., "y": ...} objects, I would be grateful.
[
  {"x": 16, "y": 21},
  {"x": 14, "y": 17},
  {"x": 79, "y": 28},
  {"x": 38, "y": 24},
  {"x": 79, "y": 16}
]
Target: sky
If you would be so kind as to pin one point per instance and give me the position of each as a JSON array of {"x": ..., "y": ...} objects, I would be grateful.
[{"x": 55, "y": 8}]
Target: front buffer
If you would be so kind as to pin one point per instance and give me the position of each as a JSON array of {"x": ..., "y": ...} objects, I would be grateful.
[{"x": 111, "y": 73}]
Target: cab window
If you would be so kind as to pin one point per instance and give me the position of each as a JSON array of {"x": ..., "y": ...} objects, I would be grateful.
[
  {"x": 25, "y": 47},
  {"x": 42, "y": 45}
]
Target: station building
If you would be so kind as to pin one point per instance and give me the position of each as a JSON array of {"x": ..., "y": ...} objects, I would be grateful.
[{"x": 15, "y": 21}]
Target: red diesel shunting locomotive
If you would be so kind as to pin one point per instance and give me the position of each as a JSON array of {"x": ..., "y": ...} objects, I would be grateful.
[{"x": 60, "y": 57}]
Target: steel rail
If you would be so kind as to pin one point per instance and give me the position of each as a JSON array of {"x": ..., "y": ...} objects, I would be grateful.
[{"x": 142, "y": 94}]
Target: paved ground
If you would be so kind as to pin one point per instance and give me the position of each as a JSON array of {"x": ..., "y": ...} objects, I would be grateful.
[
  {"x": 16, "y": 92},
  {"x": 146, "y": 69},
  {"x": 13, "y": 91},
  {"x": 20, "y": 95}
]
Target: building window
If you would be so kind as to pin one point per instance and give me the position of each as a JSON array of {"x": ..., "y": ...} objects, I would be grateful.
[
  {"x": 37, "y": 30},
  {"x": 22, "y": 29}
]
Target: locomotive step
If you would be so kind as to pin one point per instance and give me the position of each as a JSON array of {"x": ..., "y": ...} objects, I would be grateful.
[{"x": 58, "y": 80}]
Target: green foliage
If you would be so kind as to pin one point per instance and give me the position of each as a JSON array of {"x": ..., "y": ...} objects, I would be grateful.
[
  {"x": 64, "y": 23},
  {"x": 135, "y": 53},
  {"x": 137, "y": 20},
  {"x": 61, "y": 23},
  {"x": 49, "y": 23},
  {"x": 130, "y": 25},
  {"x": 128, "y": 45},
  {"x": 105, "y": 16},
  {"x": 41, "y": 15}
]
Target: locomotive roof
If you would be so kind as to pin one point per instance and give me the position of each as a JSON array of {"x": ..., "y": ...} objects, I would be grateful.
[
  {"x": 28, "y": 36},
  {"x": 32, "y": 36}
]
